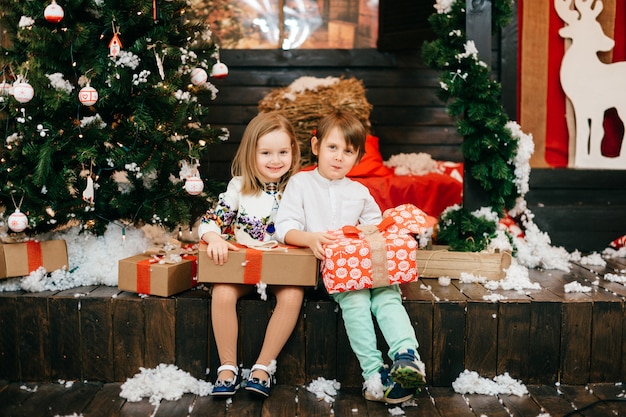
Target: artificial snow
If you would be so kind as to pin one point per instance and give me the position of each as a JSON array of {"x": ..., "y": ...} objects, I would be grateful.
[
  {"x": 165, "y": 382},
  {"x": 396, "y": 411},
  {"x": 324, "y": 389},
  {"x": 469, "y": 382},
  {"x": 621, "y": 279},
  {"x": 305, "y": 83}
]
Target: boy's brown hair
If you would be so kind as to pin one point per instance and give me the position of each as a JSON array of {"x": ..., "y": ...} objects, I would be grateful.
[
  {"x": 244, "y": 163},
  {"x": 350, "y": 126}
]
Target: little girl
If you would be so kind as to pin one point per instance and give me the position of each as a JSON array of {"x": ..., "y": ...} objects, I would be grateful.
[{"x": 267, "y": 156}]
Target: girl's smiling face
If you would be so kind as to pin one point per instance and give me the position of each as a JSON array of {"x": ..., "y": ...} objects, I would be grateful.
[
  {"x": 273, "y": 155},
  {"x": 335, "y": 158}
]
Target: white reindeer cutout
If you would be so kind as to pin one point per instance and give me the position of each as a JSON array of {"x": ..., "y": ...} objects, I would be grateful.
[{"x": 591, "y": 85}]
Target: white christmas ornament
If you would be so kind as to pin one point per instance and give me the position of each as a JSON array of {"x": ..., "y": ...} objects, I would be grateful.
[
  {"x": 5, "y": 88},
  {"x": 88, "y": 95},
  {"x": 219, "y": 70},
  {"x": 198, "y": 76},
  {"x": 53, "y": 12},
  {"x": 194, "y": 185},
  {"x": 18, "y": 221},
  {"x": 23, "y": 92}
]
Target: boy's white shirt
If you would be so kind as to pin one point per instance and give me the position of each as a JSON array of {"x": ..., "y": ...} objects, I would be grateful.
[{"x": 312, "y": 203}]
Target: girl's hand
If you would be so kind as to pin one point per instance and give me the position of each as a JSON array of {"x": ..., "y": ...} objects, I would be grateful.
[{"x": 217, "y": 248}]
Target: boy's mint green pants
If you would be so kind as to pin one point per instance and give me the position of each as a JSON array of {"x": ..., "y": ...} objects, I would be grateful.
[{"x": 384, "y": 303}]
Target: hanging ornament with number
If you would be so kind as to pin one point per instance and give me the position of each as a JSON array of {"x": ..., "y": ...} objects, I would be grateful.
[{"x": 53, "y": 12}]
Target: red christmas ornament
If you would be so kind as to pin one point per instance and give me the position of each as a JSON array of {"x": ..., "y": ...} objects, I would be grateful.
[
  {"x": 53, "y": 12},
  {"x": 88, "y": 95},
  {"x": 219, "y": 70}
]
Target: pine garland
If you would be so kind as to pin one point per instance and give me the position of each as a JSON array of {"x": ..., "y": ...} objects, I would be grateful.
[{"x": 473, "y": 98}]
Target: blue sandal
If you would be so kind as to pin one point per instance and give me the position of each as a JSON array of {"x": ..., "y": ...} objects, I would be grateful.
[
  {"x": 258, "y": 386},
  {"x": 228, "y": 387}
]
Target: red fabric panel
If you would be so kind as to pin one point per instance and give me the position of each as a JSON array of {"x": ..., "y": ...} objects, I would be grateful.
[
  {"x": 431, "y": 193},
  {"x": 557, "y": 136},
  {"x": 613, "y": 126}
]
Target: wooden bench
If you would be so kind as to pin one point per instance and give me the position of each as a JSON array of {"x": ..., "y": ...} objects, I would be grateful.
[{"x": 538, "y": 336}]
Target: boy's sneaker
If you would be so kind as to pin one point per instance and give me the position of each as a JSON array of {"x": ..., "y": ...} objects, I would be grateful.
[
  {"x": 382, "y": 388},
  {"x": 407, "y": 370}
]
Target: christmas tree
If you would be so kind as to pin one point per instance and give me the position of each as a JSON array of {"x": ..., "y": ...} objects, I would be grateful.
[{"x": 114, "y": 130}]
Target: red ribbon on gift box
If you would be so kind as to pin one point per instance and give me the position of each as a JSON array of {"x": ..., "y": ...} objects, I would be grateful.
[
  {"x": 143, "y": 275},
  {"x": 35, "y": 256},
  {"x": 143, "y": 272},
  {"x": 253, "y": 266}
]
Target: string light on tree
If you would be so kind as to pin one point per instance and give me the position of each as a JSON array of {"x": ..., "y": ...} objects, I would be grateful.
[{"x": 53, "y": 12}]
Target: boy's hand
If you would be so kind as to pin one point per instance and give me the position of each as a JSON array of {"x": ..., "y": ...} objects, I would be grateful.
[
  {"x": 317, "y": 242},
  {"x": 217, "y": 248}
]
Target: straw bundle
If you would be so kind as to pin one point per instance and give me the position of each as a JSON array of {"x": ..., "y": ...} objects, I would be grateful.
[{"x": 307, "y": 99}]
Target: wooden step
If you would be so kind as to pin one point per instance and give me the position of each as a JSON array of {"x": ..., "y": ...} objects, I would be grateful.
[
  {"x": 538, "y": 336},
  {"x": 103, "y": 400}
]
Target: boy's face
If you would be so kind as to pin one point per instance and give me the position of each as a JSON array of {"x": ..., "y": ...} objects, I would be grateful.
[{"x": 334, "y": 157}]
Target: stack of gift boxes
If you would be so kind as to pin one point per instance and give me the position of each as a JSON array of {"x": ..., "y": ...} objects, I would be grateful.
[{"x": 361, "y": 257}]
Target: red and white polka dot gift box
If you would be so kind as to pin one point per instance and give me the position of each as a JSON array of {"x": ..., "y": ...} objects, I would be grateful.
[{"x": 369, "y": 256}]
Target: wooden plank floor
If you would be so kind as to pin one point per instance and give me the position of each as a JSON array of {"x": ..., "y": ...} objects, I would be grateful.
[{"x": 103, "y": 400}]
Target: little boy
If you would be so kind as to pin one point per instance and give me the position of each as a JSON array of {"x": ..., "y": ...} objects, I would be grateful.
[{"x": 315, "y": 202}]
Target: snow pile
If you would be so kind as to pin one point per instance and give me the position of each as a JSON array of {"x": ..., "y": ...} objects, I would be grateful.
[
  {"x": 469, "y": 382},
  {"x": 621, "y": 279},
  {"x": 165, "y": 382},
  {"x": 324, "y": 389},
  {"x": 516, "y": 278},
  {"x": 575, "y": 286}
]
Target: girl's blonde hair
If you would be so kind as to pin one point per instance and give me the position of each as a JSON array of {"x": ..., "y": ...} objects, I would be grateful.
[
  {"x": 244, "y": 163},
  {"x": 349, "y": 125}
]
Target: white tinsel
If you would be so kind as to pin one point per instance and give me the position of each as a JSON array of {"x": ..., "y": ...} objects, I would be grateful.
[
  {"x": 443, "y": 6},
  {"x": 25, "y": 21},
  {"x": 59, "y": 83},
  {"x": 412, "y": 163}
]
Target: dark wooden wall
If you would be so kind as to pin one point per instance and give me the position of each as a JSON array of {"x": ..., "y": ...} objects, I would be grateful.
[{"x": 407, "y": 116}]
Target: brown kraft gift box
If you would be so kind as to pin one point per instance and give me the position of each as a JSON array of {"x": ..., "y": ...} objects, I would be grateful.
[
  {"x": 144, "y": 274},
  {"x": 279, "y": 266},
  {"x": 20, "y": 259}
]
